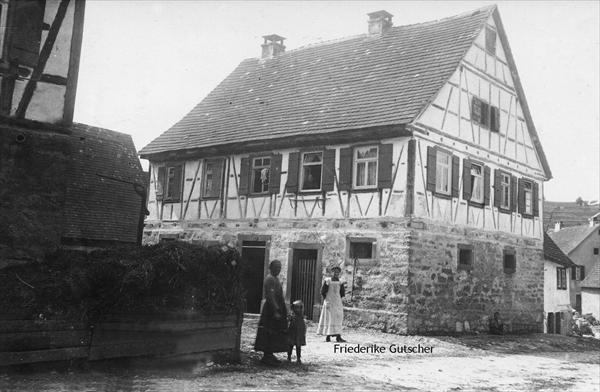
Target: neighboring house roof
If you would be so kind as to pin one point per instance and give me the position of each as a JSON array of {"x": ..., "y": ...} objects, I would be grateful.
[
  {"x": 553, "y": 253},
  {"x": 592, "y": 280},
  {"x": 570, "y": 237},
  {"x": 354, "y": 83},
  {"x": 569, "y": 213},
  {"x": 101, "y": 202}
]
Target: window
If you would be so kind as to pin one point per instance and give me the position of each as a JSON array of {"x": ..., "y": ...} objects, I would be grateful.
[
  {"x": 443, "y": 173},
  {"x": 362, "y": 249},
  {"x": 312, "y": 168},
  {"x": 595, "y": 251},
  {"x": 505, "y": 191},
  {"x": 169, "y": 181},
  {"x": 365, "y": 167},
  {"x": 528, "y": 193},
  {"x": 465, "y": 257},
  {"x": 490, "y": 40},
  {"x": 213, "y": 178},
  {"x": 476, "y": 183},
  {"x": 510, "y": 261},
  {"x": 561, "y": 278},
  {"x": 260, "y": 174},
  {"x": 484, "y": 114},
  {"x": 576, "y": 273}
]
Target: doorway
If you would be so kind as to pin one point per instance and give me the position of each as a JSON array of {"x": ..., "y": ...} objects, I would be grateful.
[
  {"x": 254, "y": 253},
  {"x": 550, "y": 323},
  {"x": 305, "y": 270}
]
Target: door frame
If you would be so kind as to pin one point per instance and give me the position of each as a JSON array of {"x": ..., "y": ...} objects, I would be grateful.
[
  {"x": 319, "y": 272},
  {"x": 257, "y": 237}
]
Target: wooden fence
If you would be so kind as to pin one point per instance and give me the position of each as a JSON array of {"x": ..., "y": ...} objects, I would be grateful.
[{"x": 119, "y": 336}]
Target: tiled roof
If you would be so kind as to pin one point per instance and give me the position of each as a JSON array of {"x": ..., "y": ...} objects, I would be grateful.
[
  {"x": 553, "y": 253},
  {"x": 569, "y": 238},
  {"x": 101, "y": 203},
  {"x": 353, "y": 83},
  {"x": 592, "y": 281}
]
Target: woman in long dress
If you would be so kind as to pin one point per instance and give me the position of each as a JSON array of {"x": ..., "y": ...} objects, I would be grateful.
[
  {"x": 332, "y": 313},
  {"x": 271, "y": 336}
]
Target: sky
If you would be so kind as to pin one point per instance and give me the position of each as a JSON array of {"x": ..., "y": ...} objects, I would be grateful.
[{"x": 145, "y": 64}]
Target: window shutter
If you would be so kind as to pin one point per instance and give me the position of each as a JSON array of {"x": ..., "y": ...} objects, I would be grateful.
[
  {"x": 431, "y": 163},
  {"x": 275, "y": 174},
  {"x": 513, "y": 191},
  {"x": 455, "y": 169},
  {"x": 345, "y": 169},
  {"x": 244, "y": 186},
  {"x": 293, "y": 170},
  {"x": 160, "y": 183},
  {"x": 476, "y": 110},
  {"x": 557, "y": 278},
  {"x": 328, "y": 170},
  {"x": 535, "y": 201},
  {"x": 494, "y": 119},
  {"x": 573, "y": 272},
  {"x": 176, "y": 184},
  {"x": 485, "y": 114},
  {"x": 27, "y": 21},
  {"x": 497, "y": 188},
  {"x": 384, "y": 166},
  {"x": 486, "y": 185},
  {"x": 582, "y": 272},
  {"x": 466, "y": 179},
  {"x": 521, "y": 196}
]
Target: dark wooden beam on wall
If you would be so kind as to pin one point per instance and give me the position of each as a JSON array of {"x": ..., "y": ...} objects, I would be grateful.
[
  {"x": 73, "y": 73},
  {"x": 43, "y": 59},
  {"x": 410, "y": 179}
]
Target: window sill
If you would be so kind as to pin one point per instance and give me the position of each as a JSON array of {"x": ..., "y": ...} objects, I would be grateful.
[
  {"x": 442, "y": 195},
  {"x": 264, "y": 194},
  {"x": 364, "y": 190},
  {"x": 475, "y": 204},
  {"x": 527, "y": 216},
  {"x": 509, "y": 271},
  {"x": 310, "y": 193},
  {"x": 210, "y": 198},
  {"x": 169, "y": 201},
  {"x": 504, "y": 210}
]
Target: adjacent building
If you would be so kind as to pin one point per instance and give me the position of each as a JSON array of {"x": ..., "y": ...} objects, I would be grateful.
[
  {"x": 582, "y": 245},
  {"x": 557, "y": 289},
  {"x": 406, "y": 155},
  {"x": 61, "y": 183}
]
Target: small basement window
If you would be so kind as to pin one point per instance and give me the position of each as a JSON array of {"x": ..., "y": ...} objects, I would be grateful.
[
  {"x": 465, "y": 257},
  {"x": 509, "y": 261},
  {"x": 361, "y": 248}
]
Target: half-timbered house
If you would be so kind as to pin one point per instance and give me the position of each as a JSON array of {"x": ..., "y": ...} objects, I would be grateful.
[
  {"x": 61, "y": 183},
  {"x": 406, "y": 155}
]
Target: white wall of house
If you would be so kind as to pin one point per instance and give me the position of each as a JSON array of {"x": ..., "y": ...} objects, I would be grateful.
[
  {"x": 555, "y": 299},
  {"x": 590, "y": 302}
]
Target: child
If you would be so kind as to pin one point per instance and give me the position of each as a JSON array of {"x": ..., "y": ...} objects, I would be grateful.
[{"x": 296, "y": 330}]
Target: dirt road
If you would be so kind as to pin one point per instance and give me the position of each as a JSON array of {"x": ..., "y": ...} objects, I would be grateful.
[{"x": 466, "y": 363}]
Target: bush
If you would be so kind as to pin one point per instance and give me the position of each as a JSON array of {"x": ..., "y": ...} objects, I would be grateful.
[{"x": 163, "y": 277}]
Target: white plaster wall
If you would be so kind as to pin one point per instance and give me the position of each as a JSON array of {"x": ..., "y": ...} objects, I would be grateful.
[
  {"x": 590, "y": 302},
  {"x": 555, "y": 300}
]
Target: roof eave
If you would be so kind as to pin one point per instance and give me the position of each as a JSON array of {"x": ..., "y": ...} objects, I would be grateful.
[{"x": 521, "y": 93}]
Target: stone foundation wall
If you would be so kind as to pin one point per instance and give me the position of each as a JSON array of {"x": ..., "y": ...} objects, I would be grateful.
[
  {"x": 413, "y": 285},
  {"x": 445, "y": 298}
]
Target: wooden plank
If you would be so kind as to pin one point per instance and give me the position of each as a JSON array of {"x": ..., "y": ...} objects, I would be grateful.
[
  {"x": 165, "y": 326},
  {"x": 39, "y": 340},
  {"x": 36, "y": 325},
  {"x": 166, "y": 345},
  {"x": 59, "y": 354},
  {"x": 75, "y": 53}
]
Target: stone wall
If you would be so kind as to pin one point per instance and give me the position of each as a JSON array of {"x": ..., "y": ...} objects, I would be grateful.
[
  {"x": 32, "y": 192},
  {"x": 444, "y": 298},
  {"x": 413, "y": 285}
]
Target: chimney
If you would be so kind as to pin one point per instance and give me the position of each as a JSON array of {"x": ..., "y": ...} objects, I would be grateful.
[
  {"x": 379, "y": 22},
  {"x": 557, "y": 226},
  {"x": 273, "y": 46}
]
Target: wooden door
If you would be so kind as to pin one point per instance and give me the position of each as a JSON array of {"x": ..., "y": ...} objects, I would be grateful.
[
  {"x": 253, "y": 275},
  {"x": 557, "y": 321},
  {"x": 304, "y": 275},
  {"x": 550, "y": 323}
]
